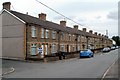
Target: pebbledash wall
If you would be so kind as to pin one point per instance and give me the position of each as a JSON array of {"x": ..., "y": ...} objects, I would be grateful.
[{"x": 25, "y": 36}]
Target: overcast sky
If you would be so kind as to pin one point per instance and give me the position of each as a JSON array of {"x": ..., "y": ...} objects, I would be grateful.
[{"x": 98, "y": 15}]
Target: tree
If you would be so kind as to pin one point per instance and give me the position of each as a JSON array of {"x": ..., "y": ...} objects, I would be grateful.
[{"x": 117, "y": 40}]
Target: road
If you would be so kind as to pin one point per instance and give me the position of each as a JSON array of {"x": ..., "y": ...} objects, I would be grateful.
[{"x": 70, "y": 68}]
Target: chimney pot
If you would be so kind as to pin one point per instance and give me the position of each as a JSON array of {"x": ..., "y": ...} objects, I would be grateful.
[
  {"x": 84, "y": 29},
  {"x": 99, "y": 34},
  {"x": 6, "y": 5},
  {"x": 90, "y": 31},
  {"x": 63, "y": 23},
  {"x": 42, "y": 16},
  {"x": 95, "y": 33},
  {"x": 75, "y": 26}
]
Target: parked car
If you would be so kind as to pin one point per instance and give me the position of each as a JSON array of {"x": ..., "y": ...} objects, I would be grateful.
[
  {"x": 86, "y": 53},
  {"x": 117, "y": 47},
  {"x": 107, "y": 49},
  {"x": 113, "y": 48}
]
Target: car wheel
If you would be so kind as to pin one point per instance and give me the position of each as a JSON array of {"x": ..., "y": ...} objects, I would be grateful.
[
  {"x": 90, "y": 56},
  {"x": 80, "y": 57}
]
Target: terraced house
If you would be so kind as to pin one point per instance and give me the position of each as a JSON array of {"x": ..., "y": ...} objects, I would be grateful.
[{"x": 25, "y": 36}]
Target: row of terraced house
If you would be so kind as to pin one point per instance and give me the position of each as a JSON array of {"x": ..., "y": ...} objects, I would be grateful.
[{"x": 25, "y": 36}]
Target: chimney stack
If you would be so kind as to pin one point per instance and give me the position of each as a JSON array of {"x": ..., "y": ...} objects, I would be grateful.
[
  {"x": 6, "y": 5},
  {"x": 76, "y": 27},
  {"x": 99, "y": 34},
  {"x": 42, "y": 16},
  {"x": 95, "y": 33},
  {"x": 84, "y": 29},
  {"x": 90, "y": 31},
  {"x": 63, "y": 23}
]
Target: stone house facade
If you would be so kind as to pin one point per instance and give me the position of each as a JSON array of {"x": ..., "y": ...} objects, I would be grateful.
[{"x": 32, "y": 37}]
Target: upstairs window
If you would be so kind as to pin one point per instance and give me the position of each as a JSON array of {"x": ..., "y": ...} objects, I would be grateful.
[
  {"x": 42, "y": 33},
  {"x": 53, "y": 34},
  {"x": 33, "y": 31},
  {"x": 78, "y": 38},
  {"x": 70, "y": 37},
  {"x": 47, "y": 33},
  {"x": 62, "y": 35}
]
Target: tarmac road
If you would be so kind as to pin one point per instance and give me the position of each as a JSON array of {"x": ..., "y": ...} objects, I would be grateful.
[{"x": 71, "y": 68}]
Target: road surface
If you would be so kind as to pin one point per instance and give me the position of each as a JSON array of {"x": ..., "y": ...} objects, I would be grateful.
[{"x": 71, "y": 68}]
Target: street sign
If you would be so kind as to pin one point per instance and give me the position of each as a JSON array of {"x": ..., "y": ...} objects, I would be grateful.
[{"x": 40, "y": 50}]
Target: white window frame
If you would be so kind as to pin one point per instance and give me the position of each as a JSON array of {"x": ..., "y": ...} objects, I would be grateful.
[
  {"x": 70, "y": 37},
  {"x": 62, "y": 35},
  {"x": 53, "y": 48},
  {"x": 42, "y": 32},
  {"x": 34, "y": 46},
  {"x": 78, "y": 38},
  {"x": 62, "y": 48},
  {"x": 53, "y": 34},
  {"x": 33, "y": 31},
  {"x": 47, "y": 33}
]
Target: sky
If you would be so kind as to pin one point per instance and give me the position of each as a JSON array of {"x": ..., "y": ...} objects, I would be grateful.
[{"x": 96, "y": 15}]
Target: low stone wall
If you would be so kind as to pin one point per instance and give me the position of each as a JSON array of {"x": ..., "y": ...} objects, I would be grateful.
[
  {"x": 49, "y": 59},
  {"x": 72, "y": 56},
  {"x": 55, "y": 57}
]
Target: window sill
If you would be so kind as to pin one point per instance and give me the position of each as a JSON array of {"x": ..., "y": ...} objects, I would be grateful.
[
  {"x": 34, "y": 37},
  {"x": 53, "y": 39}
]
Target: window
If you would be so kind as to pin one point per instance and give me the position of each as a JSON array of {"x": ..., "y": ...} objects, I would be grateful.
[
  {"x": 42, "y": 33},
  {"x": 62, "y": 48},
  {"x": 74, "y": 48},
  {"x": 33, "y": 31},
  {"x": 62, "y": 35},
  {"x": 78, "y": 47},
  {"x": 53, "y": 34},
  {"x": 33, "y": 49},
  {"x": 53, "y": 48},
  {"x": 70, "y": 37},
  {"x": 47, "y": 33},
  {"x": 73, "y": 37},
  {"x": 78, "y": 38}
]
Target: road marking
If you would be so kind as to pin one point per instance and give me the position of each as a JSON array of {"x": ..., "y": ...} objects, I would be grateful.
[
  {"x": 108, "y": 69},
  {"x": 5, "y": 73}
]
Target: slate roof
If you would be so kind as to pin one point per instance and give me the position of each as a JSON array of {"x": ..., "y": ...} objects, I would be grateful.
[{"x": 50, "y": 25}]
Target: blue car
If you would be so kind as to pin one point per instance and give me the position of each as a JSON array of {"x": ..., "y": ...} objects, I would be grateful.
[{"x": 86, "y": 53}]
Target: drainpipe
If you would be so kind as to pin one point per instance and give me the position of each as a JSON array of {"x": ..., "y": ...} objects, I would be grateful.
[
  {"x": 59, "y": 36},
  {"x": 76, "y": 42},
  {"x": 25, "y": 33},
  {"x": 87, "y": 41}
]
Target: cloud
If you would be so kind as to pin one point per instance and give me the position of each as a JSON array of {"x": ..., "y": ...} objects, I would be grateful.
[
  {"x": 98, "y": 17},
  {"x": 58, "y": 17},
  {"x": 113, "y": 15}
]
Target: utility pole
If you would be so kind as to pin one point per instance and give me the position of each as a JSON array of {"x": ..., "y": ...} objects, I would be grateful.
[
  {"x": 107, "y": 37},
  {"x": 107, "y": 33}
]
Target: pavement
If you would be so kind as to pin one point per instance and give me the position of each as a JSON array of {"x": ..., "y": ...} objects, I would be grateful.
[{"x": 114, "y": 71}]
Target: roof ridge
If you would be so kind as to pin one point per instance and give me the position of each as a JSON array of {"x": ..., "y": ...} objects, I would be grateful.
[{"x": 48, "y": 24}]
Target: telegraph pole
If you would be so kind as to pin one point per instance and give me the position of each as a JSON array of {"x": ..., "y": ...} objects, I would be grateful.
[
  {"x": 107, "y": 33},
  {"x": 107, "y": 37}
]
